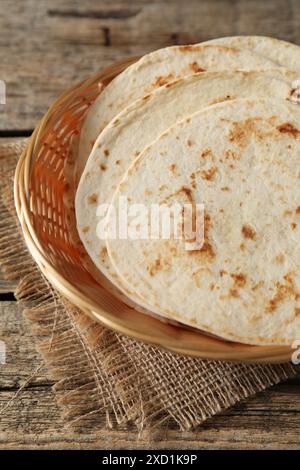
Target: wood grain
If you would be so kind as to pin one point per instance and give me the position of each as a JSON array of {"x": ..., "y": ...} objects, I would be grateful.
[
  {"x": 34, "y": 420},
  {"x": 6, "y": 286},
  {"x": 252, "y": 426},
  {"x": 49, "y": 46}
]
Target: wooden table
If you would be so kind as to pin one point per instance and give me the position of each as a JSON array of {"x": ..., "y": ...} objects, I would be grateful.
[{"x": 45, "y": 47}]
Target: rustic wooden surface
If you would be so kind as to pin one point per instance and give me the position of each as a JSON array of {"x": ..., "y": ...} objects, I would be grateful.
[
  {"x": 270, "y": 420},
  {"x": 45, "y": 46}
]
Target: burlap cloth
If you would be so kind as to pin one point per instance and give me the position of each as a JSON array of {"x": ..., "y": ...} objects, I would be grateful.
[{"x": 103, "y": 377}]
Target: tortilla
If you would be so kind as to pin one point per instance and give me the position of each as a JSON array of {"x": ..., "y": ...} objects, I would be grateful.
[
  {"x": 152, "y": 71},
  {"x": 140, "y": 124},
  {"x": 240, "y": 159},
  {"x": 281, "y": 52}
]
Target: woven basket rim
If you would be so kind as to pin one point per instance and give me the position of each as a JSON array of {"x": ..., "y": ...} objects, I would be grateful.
[{"x": 181, "y": 340}]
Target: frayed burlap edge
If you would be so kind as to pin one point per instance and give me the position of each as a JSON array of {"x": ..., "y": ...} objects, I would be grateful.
[
  {"x": 59, "y": 327},
  {"x": 101, "y": 377}
]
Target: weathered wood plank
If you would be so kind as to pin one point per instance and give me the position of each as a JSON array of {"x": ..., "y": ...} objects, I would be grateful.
[
  {"x": 6, "y": 286},
  {"x": 21, "y": 356},
  {"x": 34, "y": 421},
  {"x": 57, "y": 44}
]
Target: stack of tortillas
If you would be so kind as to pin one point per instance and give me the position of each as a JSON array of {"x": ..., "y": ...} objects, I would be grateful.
[{"x": 218, "y": 125}]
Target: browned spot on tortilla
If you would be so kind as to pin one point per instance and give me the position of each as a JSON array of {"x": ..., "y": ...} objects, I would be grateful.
[
  {"x": 196, "y": 277},
  {"x": 298, "y": 210},
  {"x": 293, "y": 226},
  {"x": 195, "y": 67},
  {"x": 257, "y": 286},
  {"x": 283, "y": 292},
  {"x": 248, "y": 232},
  {"x": 118, "y": 162},
  {"x": 188, "y": 192},
  {"x": 242, "y": 246},
  {"x": 162, "y": 187},
  {"x": 226, "y": 48},
  {"x": 288, "y": 277},
  {"x": 67, "y": 187},
  {"x": 85, "y": 229},
  {"x": 273, "y": 303},
  {"x": 103, "y": 167},
  {"x": 242, "y": 131},
  {"x": 146, "y": 97},
  {"x": 173, "y": 168},
  {"x": 297, "y": 312},
  {"x": 225, "y": 188},
  {"x": 287, "y": 212},
  {"x": 189, "y": 143},
  {"x": 147, "y": 192},
  {"x": 188, "y": 120},
  {"x": 183, "y": 190},
  {"x": 230, "y": 155},
  {"x": 233, "y": 293},
  {"x": 279, "y": 259},
  {"x": 106, "y": 152},
  {"x": 220, "y": 100},
  {"x": 212, "y": 286},
  {"x": 272, "y": 119},
  {"x": 221, "y": 210},
  {"x": 173, "y": 250},
  {"x": 239, "y": 279},
  {"x": 163, "y": 80},
  {"x": 209, "y": 174},
  {"x": 93, "y": 198},
  {"x": 188, "y": 48},
  {"x": 158, "y": 265},
  {"x": 206, "y": 251},
  {"x": 222, "y": 272},
  {"x": 205, "y": 153},
  {"x": 173, "y": 83},
  {"x": 103, "y": 253},
  {"x": 255, "y": 318},
  {"x": 288, "y": 128}
]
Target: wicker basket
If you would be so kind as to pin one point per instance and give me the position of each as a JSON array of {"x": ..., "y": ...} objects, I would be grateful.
[{"x": 44, "y": 198}]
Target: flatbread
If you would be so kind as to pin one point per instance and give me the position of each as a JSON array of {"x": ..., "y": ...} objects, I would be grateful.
[
  {"x": 241, "y": 159},
  {"x": 140, "y": 124},
  {"x": 152, "y": 71},
  {"x": 281, "y": 52}
]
